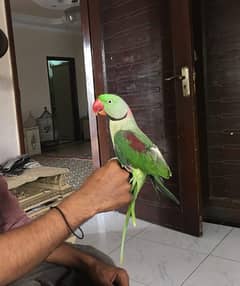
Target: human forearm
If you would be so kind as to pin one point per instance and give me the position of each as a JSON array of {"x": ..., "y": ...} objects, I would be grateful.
[
  {"x": 70, "y": 256},
  {"x": 99, "y": 271},
  {"x": 24, "y": 248}
]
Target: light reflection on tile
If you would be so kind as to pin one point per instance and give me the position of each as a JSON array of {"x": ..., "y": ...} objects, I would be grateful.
[
  {"x": 111, "y": 221},
  {"x": 104, "y": 231}
]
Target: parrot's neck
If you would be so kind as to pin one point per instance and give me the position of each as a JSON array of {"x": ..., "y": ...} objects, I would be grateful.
[{"x": 124, "y": 124}]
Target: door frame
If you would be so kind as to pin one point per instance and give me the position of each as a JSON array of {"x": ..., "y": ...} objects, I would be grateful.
[
  {"x": 93, "y": 53},
  {"x": 74, "y": 92},
  {"x": 16, "y": 88}
]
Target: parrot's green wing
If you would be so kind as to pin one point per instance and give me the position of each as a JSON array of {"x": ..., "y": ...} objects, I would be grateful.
[{"x": 135, "y": 149}]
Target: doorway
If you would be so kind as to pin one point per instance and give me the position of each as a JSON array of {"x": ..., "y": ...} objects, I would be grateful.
[
  {"x": 217, "y": 45},
  {"x": 64, "y": 99}
]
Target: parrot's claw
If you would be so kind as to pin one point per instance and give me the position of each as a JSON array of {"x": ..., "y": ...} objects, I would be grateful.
[
  {"x": 114, "y": 158},
  {"x": 127, "y": 168}
]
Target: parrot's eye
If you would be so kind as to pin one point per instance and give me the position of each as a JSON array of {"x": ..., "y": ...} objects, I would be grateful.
[{"x": 109, "y": 101}]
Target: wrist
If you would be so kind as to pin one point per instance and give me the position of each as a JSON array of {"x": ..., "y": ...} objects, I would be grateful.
[{"x": 77, "y": 208}]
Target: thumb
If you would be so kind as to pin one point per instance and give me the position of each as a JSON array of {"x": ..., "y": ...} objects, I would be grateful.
[{"x": 121, "y": 279}]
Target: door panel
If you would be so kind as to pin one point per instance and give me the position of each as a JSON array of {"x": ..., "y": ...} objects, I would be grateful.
[
  {"x": 132, "y": 44},
  {"x": 221, "y": 36},
  {"x": 63, "y": 108},
  {"x": 137, "y": 46}
]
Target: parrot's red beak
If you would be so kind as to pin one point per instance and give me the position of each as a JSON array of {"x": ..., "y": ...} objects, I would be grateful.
[{"x": 98, "y": 107}]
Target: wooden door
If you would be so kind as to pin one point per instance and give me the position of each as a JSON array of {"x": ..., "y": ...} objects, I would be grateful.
[
  {"x": 62, "y": 103},
  {"x": 135, "y": 46},
  {"x": 219, "y": 27}
]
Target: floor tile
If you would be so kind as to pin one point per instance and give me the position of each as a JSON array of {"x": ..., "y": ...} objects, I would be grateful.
[
  {"x": 76, "y": 149},
  {"x": 155, "y": 264},
  {"x": 106, "y": 242},
  {"x": 229, "y": 248},
  {"x": 216, "y": 271},
  {"x": 212, "y": 235},
  {"x": 104, "y": 231}
]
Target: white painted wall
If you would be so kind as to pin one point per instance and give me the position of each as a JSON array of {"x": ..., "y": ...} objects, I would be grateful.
[
  {"x": 9, "y": 141},
  {"x": 33, "y": 45}
]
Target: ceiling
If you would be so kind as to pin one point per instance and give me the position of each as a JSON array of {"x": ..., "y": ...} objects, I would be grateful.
[{"x": 28, "y": 7}]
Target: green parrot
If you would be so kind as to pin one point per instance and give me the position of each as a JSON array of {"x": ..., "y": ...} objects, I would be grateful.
[{"x": 135, "y": 152}]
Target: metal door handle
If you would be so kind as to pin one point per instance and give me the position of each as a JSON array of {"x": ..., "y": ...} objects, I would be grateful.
[
  {"x": 174, "y": 77},
  {"x": 184, "y": 77}
]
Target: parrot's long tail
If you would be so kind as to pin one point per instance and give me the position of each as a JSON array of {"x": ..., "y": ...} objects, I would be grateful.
[
  {"x": 137, "y": 181},
  {"x": 159, "y": 186},
  {"x": 124, "y": 233}
]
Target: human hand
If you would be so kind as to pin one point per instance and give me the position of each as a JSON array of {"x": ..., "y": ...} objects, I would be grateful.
[
  {"x": 105, "y": 190},
  {"x": 108, "y": 187},
  {"x": 107, "y": 275}
]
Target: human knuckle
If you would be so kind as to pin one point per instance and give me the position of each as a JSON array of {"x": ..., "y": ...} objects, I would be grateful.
[
  {"x": 114, "y": 162},
  {"x": 125, "y": 174},
  {"x": 127, "y": 187},
  {"x": 123, "y": 272}
]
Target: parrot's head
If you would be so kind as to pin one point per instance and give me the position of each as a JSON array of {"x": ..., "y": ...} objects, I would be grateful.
[{"x": 111, "y": 105}]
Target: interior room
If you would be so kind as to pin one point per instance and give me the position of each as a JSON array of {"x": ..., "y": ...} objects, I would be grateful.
[
  {"x": 176, "y": 65},
  {"x": 56, "y": 50},
  {"x": 54, "y": 106}
]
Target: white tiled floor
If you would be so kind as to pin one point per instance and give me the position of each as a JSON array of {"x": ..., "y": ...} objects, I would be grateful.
[{"x": 157, "y": 256}]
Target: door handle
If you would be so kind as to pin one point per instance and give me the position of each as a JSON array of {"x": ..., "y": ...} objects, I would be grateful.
[
  {"x": 174, "y": 77},
  {"x": 184, "y": 77}
]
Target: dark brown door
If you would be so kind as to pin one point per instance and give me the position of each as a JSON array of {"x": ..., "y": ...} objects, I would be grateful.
[
  {"x": 136, "y": 45},
  {"x": 220, "y": 50},
  {"x": 64, "y": 98},
  {"x": 62, "y": 102}
]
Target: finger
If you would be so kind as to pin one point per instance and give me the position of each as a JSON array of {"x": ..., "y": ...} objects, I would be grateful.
[
  {"x": 106, "y": 283},
  {"x": 121, "y": 278},
  {"x": 125, "y": 174},
  {"x": 114, "y": 161}
]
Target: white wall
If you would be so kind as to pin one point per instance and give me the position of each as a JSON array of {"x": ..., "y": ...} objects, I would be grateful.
[
  {"x": 9, "y": 141},
  {"x": 33, "y": 45}
]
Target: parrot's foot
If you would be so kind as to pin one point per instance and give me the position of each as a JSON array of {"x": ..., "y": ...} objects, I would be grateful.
[{"x": 127, "y": 168}]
